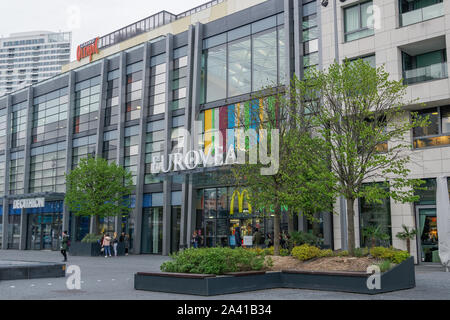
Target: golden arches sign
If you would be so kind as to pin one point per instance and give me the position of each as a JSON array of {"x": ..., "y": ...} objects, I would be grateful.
[{"x": 240, "y": 196}]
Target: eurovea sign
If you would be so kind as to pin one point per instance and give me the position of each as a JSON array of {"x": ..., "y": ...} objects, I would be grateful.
[
  {"x": 29, "y": 203},
  {"x": 216, "y": 154},
  {"x": 87, "y": 49}
]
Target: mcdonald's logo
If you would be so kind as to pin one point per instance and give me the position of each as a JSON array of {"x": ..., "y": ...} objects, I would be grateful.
[{"x": 240, "y": 197}]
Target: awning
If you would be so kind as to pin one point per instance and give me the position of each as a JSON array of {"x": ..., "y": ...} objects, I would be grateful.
[{"x": 443, "y": 220}]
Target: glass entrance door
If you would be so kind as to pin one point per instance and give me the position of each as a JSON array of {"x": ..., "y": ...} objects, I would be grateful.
[
  {"x": 152, "y": 230},
  {"x": 428, "y": 234},
  {"x": 44, "y": 231}
]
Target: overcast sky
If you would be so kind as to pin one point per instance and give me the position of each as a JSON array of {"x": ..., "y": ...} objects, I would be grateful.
[{"x": 86, "y": 19}]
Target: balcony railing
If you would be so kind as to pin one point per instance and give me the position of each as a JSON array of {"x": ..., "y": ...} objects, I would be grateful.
[
  {"x": 432, "y": 72},
  {"x": 423, "y": 14}
]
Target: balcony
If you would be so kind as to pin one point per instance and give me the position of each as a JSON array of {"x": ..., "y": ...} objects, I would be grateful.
[
  {"x": 423, "y": 14},
  {"x": 431, "y": 72}
]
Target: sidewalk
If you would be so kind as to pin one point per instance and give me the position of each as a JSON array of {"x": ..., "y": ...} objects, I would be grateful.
[{"x": 112, "y": 278}]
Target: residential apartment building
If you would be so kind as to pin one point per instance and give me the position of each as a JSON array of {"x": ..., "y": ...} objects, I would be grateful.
[
  {"x": 150, "y": 80},
  {"x": 29, "y": 57}
]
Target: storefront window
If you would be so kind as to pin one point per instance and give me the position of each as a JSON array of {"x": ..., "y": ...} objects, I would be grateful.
[{"x": 14, "y": 228}]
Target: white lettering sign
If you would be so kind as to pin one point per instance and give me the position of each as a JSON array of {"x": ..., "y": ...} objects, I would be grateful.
[{"x": 29, "y": 203}]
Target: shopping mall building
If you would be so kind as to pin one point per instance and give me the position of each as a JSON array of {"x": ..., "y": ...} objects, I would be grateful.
[{"x": 130, "y": 93}]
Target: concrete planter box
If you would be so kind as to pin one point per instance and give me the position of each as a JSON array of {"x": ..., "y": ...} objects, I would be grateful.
[
  {"x": 31, "y": 270},
  {"x": 92, "y": 249},
  {"x": 400, "y": 277}
]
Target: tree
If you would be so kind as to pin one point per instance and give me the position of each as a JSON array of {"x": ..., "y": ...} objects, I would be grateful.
[
  {"x": 360, "y": 113},
  {"x": 301, "y": 182},
  {"x": 374, "y": 233},
  {"x": 99, "y": 189},
  {"x": 408, "y": 235}
]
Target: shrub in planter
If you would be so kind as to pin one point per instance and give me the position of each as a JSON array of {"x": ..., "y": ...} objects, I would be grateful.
[
  {"x": 305, "y": 252},
  {"x": 342, "y": 253},
  {"x": 326, "y": 253},
  {"x": 284, "y": 252},
  {"x": 91, "y": 238},
  {"x": 361, "y": 252},
  {"x": 269, "y": 251},
  {"x": 299, "y": 238},
  {"x": 215, "y": 261},
  {"x": 393, "y": 255},
  {"x": 385, "y": 265}
]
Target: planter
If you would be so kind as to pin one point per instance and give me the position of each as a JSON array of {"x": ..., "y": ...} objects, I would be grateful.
[
  {"x": 92, "y": 249},
  {"x": 18, "y": 270},
  {"x": 400, "y": 277}
]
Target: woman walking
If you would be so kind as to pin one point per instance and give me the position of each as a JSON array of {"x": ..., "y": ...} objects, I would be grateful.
[
  {"x": 115, "y": 242},
  {"x": 107, "y": 245}
]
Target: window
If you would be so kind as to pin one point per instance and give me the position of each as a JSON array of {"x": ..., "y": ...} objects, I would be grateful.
[
  {"x": 239, "y": 69},
  {"x": 358, "y": 21},
  {"x": 47, "y": 168},
  {"x": 369, "y": 59},
  {"x": 112, "y": 99},
  {"x": 82, "y": 148},
  {"x": 50, "y": 116},
  {"x": 437, "y": 133},
  {"x": 376, "y": 215},
  {"x": 414, "y": 11},
  {"x": 243, "y": 60},
  {"x": 154, "y": 147},
  {"x": 87, "y": 103},
  {"x": 179, "y": 84},
  {"x": 214, "y": 75},
  {"x": 16, "y": 172},
  {"x": 157, "y": 85},
  {"x": 264, "y": 53},
  {"x": 134, "y": 92},
  {"x": 18, "y": 124},
  {"x": 110, "y": 146},
  {"x": 424, "y": 67},
  {"x": 131, "y": 151}
]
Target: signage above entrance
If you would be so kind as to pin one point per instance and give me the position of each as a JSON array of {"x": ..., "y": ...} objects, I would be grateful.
[
  {"x": 87, "y": 49},
  {"x": 29, "y": 203}
]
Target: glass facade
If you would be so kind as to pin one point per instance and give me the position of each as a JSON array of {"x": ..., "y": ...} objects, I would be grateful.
[
  {"x": 47, "y": 169},
  {"x": 87, "y": 103},
  {"x": 131, "y": 151},
  {"x": 179, "y": 82},
  {"x": 110, "y": 146},
  {"x": 18, "y": 124},
  {"x": 154, "y": 147},
  {"x": 16, "y": 172},
  {"x": 112, "y": 99},
  {"x": 158, "y": 76},
  {"x": 50, "y": 116},
  {"x": 243, "y": 60},
  {"x": 134, "y": 92},
  {"x": 82, "y": 148}
]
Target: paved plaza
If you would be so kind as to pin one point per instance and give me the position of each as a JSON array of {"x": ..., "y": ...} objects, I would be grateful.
[{"x": 112, "y": 278}]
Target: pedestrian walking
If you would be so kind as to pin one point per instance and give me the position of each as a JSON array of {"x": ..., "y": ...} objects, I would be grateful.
[
  {"x": 64, "y": 245},
  {"x": 126, "y": 240},
  {"x": 237, "y": 235},
  {"x": 107, "y": 245},
  {"x": 115, "y": 242},
  {"x": 257, "y": 238},
  {"x": 195, "y": 239}
]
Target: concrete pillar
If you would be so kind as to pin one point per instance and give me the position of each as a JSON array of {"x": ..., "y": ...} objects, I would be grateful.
[{"x": 142, "y": 141}]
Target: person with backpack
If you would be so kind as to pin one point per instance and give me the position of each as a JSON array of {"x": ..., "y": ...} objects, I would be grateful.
[{"x": 65, "y": 243}]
